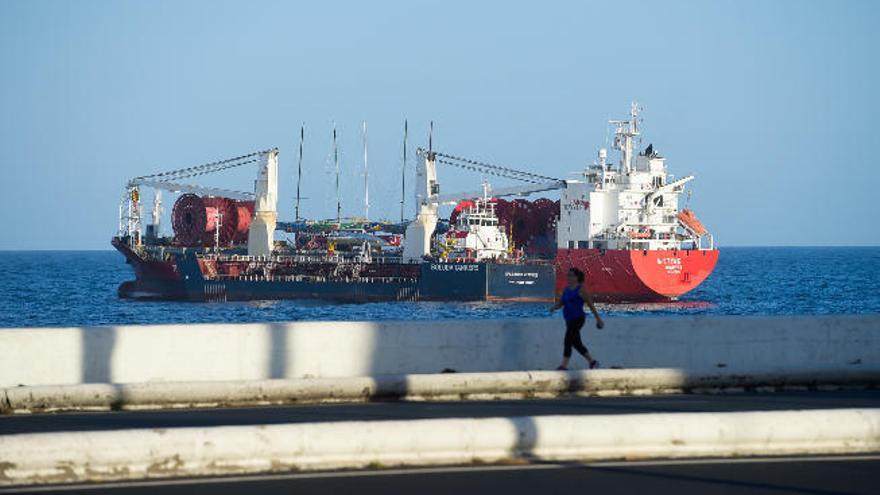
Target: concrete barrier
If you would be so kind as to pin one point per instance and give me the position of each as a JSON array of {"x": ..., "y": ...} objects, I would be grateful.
[
  {"x": 134, "y": 454},
  {"x": 458, "y": 386},
  {"x": 220, "y": 352}
]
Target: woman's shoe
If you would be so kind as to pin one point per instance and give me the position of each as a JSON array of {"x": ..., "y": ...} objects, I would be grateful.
[
  {"x": 594, "y": 364},
  {"x": 561, "y": 368}
]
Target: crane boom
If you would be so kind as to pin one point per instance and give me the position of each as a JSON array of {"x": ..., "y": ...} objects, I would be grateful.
[
  {"x": 669, "y": 187},
  {"x": 207, "y": 168},
  {"x": 190, "y": 188}
]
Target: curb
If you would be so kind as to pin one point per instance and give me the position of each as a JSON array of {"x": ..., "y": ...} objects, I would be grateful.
[
  {"x": 159, "y": 453},
  {"x": 452, "y": 386}
]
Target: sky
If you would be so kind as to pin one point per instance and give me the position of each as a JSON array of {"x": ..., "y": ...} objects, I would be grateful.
[{"x": 769, "y": 104}]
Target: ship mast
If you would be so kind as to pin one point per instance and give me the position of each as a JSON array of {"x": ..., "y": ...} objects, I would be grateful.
[
  {"x": 403, "y": 172},
  {"x": 157, "y": 211},
  {"x": 625, "y": 131},
  {"x": 336, "y": 163},
  {"x": 366, "y": 177},
  {"x": 299, "y": 169}
]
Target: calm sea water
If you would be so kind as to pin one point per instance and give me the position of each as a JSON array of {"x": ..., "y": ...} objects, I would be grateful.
[{"x": 66, "y": 288}]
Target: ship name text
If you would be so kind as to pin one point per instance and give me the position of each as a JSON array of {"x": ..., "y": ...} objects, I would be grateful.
[{"x": 454, "y": 267}]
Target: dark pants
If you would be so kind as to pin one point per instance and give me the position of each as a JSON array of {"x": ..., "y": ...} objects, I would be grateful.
[{"x": 573, "y": 336}]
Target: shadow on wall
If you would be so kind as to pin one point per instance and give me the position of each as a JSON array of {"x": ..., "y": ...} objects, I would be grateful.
[
  {"x": 527, "y": 439},
  {"x": 517, "y": 351},
  {"x": 388, "y": 349},
  {"x": 97, "y": 345},
  {"x": 278, "y": 352}
]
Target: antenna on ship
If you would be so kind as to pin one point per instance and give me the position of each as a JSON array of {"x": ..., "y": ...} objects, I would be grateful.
[
  {"x": 299, "y": 169},
  {"x": 624, "y": 132},
  {"x": 366, "y": 177},
  {"x": 403, "y": 171},
  {"x": 336, "y": 163},
  {"x": 634, "y": 113}
]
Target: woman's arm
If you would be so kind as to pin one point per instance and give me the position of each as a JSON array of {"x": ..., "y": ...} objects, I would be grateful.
[
  {"x": 557, "y": 305},
  {"x": 587, "y": 299}
]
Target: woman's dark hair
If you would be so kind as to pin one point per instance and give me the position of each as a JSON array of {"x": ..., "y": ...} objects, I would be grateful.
[{"x": 578, "y": 274}]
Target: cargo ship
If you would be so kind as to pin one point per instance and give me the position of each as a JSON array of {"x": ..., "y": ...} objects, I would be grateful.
[
  {"x": 224, "y": 247},
  {"x": 619, "y": 223}
]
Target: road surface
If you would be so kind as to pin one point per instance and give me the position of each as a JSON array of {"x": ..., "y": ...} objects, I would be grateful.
[{"x": 814, "y": 476}]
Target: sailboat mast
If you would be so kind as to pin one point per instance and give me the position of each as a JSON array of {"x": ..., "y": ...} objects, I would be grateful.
[
  {"x": 299, "y": 169},
  {"x": 336, "y": 162},
  {"x": 403, "y": 172},
  {"x": 366, "y": 178}
]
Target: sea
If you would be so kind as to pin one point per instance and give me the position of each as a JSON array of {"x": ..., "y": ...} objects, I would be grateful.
[{"x": 78, "y": 288}]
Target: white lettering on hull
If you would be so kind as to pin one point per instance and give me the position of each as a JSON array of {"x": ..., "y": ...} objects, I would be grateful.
[
  {"x": 450, "y": 267},
  {"x": 672, "y": 265}
]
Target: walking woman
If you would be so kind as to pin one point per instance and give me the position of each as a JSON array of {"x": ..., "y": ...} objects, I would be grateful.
[{"x": 572, "y": 303}]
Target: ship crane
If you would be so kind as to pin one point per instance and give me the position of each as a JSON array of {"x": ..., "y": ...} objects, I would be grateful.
[
  {"x": 260, "y": 235},
  {"x": 168, "y": 181},
  {"x": 428, "y": 197},
  {"x": 672, "y": 186},
  {"x": 536, "y": 182}
]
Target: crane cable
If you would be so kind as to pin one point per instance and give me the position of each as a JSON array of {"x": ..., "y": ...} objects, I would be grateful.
[
  {"x": 486, "y": 171},
  {"x": 498, "y": 170},
  {"x": 207, "y": 168}
]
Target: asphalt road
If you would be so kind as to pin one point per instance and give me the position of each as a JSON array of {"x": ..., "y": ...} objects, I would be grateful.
[
  {"x": 817, "y": 476},
  {"x": 416, "y": 410}
]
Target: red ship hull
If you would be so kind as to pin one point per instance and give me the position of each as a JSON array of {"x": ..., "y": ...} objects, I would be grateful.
[{"x": 637, "y": 276}]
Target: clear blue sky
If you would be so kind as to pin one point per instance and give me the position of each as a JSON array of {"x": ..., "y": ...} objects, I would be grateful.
[{"x": 770, "y": 104}]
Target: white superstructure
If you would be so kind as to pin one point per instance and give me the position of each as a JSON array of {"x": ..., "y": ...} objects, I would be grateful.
[
  {"x": 477, "y": 233},
  {"x": 629, "y": 205}
]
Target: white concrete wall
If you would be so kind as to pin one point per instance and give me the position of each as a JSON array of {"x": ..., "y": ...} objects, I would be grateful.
[
  {"x": 36, "y": 458},
  {"x": 132, "y": 354}
]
